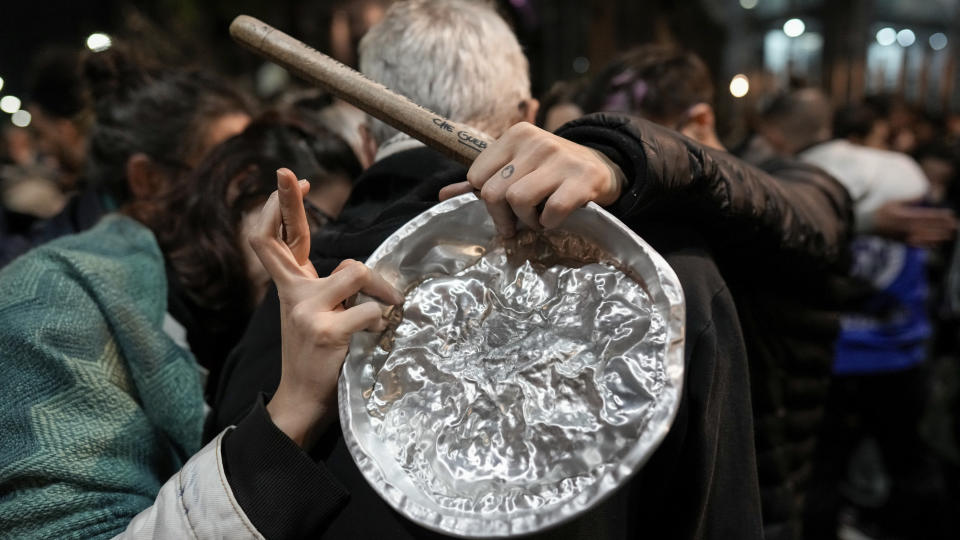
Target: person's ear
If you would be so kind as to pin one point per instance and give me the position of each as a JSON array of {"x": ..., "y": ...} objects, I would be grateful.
[
  {"x": 144, "y": 179},
  {"x": 701, "y": 125},
  {"x": 368, "y": 145},
  {"x": 529, "y": 109},
  {"x": 702, "y": 115}
]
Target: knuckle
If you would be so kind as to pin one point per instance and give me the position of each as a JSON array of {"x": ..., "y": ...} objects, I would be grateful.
[
  {"x": 596, "y": 169},
  {"x": 559, "y": 207},
  {"x": 301, "y": 312},
  {"x": 517, "y": 197},
  {"x": 322, "y": 331},
  {"x": 490, "y": 194},
  {"x": 473, "y": 178},
  {"x": 357, "y": 272},
  {"x": 302, "y": 316}
]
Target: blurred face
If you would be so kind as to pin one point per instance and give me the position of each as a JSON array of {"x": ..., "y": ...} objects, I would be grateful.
[
  {"x": 218, "y": 130},
  {"x": 560, "y": 114},
  {"x": 878, "y": 136},
  {"x": 59, "y": 138},
  {"x": 939, "y": 171}
]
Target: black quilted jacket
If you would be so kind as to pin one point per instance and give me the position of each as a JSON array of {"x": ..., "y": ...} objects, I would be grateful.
[{"x": 779, "y": 233}]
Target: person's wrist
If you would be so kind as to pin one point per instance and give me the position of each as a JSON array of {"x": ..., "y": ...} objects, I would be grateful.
[
  {"x": 302, "y": 419},
  {"x": 615, "y": 182}
]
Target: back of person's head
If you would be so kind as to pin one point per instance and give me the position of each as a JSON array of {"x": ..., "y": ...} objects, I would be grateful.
[
  {"x": 55, "y": 84},
  {"x": 457, "y": 58},
  {"x": 854, "y": 121},
  {"x": 861, "y": 124},
  {"x": 658, "y": 82},
  {"x": 661, "y": 83},
  {"x": 198, "y": 224},
  {"x": 316, "y": 107},
  {"x": 797, "y": 120},
  {"x": 168, "y": 116}
]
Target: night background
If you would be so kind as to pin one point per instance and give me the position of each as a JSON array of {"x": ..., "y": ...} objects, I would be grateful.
[{"x": 852, "y": 48}]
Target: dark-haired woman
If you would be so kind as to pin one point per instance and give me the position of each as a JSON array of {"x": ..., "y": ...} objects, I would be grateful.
[
  {"x": 213, "y": 277},
  {"x": 103, "y": 400},
  {"x": 151, "y": 125}
]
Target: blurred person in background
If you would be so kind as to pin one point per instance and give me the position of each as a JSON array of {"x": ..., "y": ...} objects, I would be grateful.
[
  {"x": 187, "y": 114},
  {"x": 899, "y": 117},
  {"x": 561, "y": 104},
  {"x": 109, "y": 335},
  {"x": 60, "y": 113},
  {"x": 790, "y": 322},
  {"x": 879, "y": 388},
  {"x": 350, "y": 21},
  {"x": 18, "y": 154},
  {"x": 48, "y": 157},
  {"x": 322, "y": 109},
  {"x": 701, "y": 483},
  {"x": 862, "y": 125},
  {"x": 212, "y": 277}
]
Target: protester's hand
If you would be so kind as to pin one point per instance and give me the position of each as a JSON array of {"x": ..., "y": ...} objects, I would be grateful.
[
  {"x": 539, "y": 178},
  {"x": 315, "y": 325},
  {"x": 920, "y": 226}
]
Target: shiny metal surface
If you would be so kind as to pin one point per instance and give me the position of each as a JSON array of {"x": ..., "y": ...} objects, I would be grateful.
[{"x": 523, "y": 381}]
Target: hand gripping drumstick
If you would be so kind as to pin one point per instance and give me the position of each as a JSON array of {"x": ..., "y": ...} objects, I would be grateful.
[{"x": 456, "y": 140}]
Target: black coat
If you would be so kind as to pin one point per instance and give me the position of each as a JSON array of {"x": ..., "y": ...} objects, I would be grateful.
[{"x": 701, "y": 483}]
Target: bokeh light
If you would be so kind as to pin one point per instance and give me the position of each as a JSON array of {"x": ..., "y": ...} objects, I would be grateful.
[
  {"x": 794, "y": 28},
  {"x": 21, "y": 118},
  {"x": 938, "y": 41},
  {"x": 906, "y": 37},
  {"x": 886, "y": 36},
  {"x": 9, "y": 104},
  {"x": 739, "y": 85},
  {"x": 98, "y": 42}
]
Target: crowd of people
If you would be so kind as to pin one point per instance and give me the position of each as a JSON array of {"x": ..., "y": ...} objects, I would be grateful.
[{"x": 178, "y": 259}]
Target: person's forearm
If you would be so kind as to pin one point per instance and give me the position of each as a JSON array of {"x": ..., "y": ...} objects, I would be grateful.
[{"x": 739, "y": 206}]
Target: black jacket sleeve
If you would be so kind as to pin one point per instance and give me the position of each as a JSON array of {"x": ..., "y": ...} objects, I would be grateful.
[
  {"x": 283, "y": 492},
  {"x": 801, "y": 215}
]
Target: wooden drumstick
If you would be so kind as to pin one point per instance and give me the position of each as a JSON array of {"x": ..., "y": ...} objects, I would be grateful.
[{"x": 456, "y": 140}]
